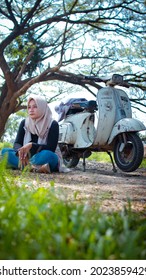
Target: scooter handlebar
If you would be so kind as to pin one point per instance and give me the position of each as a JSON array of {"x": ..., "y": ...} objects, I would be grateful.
[{"x": 116, "y": 79}]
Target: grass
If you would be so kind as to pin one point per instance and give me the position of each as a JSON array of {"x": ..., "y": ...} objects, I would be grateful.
[
  {"x": 100, "y": 157},
  {"x": 37, "y": 224},
  {"x": 104, "y": 157},
  {"x": 143, "y": 164}
]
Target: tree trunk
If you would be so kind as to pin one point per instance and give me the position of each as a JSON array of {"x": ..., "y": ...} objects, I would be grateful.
[{"x": 7, "y": 107}]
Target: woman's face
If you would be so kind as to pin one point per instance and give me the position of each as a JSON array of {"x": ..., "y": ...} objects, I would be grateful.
[{"x": 33, "y": 110}]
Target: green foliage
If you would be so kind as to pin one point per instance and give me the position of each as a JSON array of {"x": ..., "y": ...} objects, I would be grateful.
[
  {"x": 19, "y": 49},
  {"x": 143, "y": 164},
  {"x": 104, "y": 157},
  {"x": 36, "y": 223},
  {"x": 101, "y": 157},
  {"x": 5, "y": 145}
]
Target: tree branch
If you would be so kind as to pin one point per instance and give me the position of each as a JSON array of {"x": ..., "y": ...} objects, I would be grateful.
[{"x": 24, "y": 65}]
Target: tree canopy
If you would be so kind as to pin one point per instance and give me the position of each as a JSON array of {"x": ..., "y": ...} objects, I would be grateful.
[{"x": 63, "y": 40}]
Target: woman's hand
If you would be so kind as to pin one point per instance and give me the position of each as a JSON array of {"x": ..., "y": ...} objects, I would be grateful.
[{"x": 23, "y": 154}]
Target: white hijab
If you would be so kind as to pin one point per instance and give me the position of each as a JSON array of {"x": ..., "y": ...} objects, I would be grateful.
[{"x": 42, "y": 124}]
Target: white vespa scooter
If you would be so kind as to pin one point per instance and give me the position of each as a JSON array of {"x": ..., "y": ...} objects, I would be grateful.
[{"x": 103, "y": 125}]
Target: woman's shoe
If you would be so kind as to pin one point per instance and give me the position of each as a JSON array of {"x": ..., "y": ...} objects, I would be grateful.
[{"x": 45, "y": 168}]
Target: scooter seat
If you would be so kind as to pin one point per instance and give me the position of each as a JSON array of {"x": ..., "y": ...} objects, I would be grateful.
[{"x": 77, "y": 107}]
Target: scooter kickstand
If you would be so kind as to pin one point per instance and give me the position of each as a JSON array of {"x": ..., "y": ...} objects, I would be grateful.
[
  {"x": 114, "y": 168},
  {"x": 84, "y": 162}
]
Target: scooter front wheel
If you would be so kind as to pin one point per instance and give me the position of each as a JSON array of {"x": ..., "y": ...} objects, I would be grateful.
[
  {"x": 71, "y": 161},
  {"x": 128, "y": 153}
]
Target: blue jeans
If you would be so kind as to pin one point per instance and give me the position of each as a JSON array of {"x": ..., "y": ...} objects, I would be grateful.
[{"x": 43, "y": 157}]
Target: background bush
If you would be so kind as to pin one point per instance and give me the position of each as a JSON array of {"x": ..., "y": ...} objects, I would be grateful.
[{"x": 5, "y": 145}]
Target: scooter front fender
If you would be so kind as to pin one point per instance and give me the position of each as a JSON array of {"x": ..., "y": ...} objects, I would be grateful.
[{"x": 126, "y": 125}]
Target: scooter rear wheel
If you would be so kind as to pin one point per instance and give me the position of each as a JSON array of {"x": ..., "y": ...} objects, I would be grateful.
[
  {"x": 131, "y": 156},
  {"x": 71, "y": 161}
]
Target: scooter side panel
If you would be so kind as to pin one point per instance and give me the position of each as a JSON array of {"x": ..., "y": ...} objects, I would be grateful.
[
  {"x": 67, "y": 133},
  {"x": 126, "y": 125},
  {"x": 77, "y": 129}
]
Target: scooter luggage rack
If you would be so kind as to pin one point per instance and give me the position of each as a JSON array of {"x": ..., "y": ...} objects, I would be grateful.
[{"x": 77, "y": 107}]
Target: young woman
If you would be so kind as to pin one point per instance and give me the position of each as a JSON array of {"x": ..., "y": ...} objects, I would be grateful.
[{"x": 36, "y": 141}]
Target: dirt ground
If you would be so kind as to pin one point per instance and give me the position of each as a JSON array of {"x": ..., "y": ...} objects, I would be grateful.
[{"x": 100, "y": 185}]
